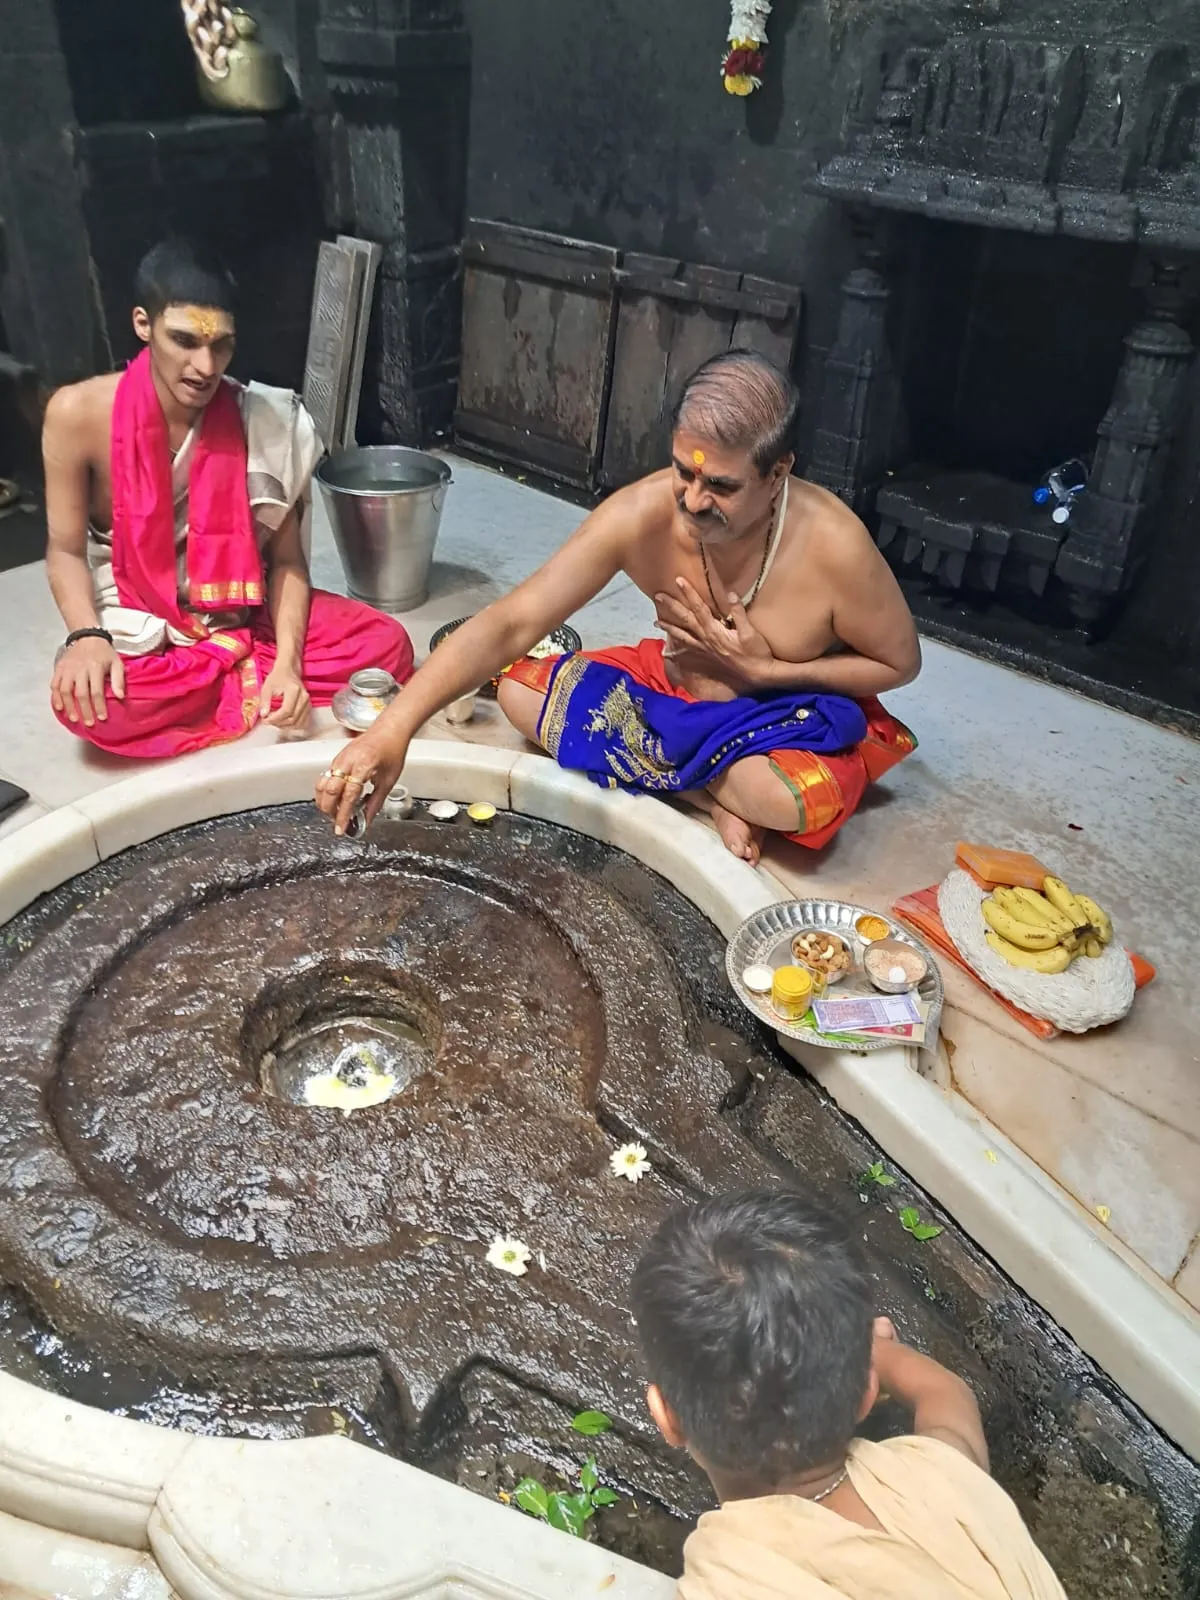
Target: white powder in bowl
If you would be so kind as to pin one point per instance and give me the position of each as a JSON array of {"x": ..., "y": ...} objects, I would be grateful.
[{"x": 758, "y": 979}]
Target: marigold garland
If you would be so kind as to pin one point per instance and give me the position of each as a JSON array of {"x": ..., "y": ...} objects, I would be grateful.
[{"x": 746, "y": 55}]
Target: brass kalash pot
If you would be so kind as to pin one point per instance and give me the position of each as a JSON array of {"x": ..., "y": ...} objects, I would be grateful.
[{"x": 236, "y": 71}]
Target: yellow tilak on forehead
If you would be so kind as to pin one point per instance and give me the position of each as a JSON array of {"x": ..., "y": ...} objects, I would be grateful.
[
  {"x": 206, "y": 324},
  {"x": 699, "y": 457}
]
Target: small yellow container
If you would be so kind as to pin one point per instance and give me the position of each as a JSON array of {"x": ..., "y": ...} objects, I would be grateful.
[
  {"x": 792, "y": 992},
  {"x": 870, "y": 928}
]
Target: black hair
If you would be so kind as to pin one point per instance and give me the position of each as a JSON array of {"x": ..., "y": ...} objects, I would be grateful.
[
  {"x": 756, "y": 1317},
  {"x": 743, "y": 401},
  {"x": 179, "y": 272}
]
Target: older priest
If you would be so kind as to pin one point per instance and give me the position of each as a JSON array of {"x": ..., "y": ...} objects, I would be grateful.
[{"x": 177, "y": 501}]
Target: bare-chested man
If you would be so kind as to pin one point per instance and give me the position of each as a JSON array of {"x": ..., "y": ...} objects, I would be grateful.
[
  {"x": 782, "y": 625},
  {"x": 176, "y": 500}
]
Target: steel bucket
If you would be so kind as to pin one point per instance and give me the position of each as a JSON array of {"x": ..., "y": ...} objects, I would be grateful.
[{"x": 385, "y": 506}]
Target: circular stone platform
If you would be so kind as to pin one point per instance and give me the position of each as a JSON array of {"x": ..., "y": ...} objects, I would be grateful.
[
  {"x": 165, "y": 1196},
  {"x": 187, "y": 1209}
]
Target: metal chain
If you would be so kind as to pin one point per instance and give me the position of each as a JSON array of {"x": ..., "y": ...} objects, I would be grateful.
[{"x": 210, "y": 28}]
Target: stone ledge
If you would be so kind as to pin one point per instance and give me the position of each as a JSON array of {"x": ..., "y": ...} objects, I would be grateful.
[
  {"x": 36, "y": 1562},
  {"x": 1139, "y": 1331},
  {"x": 41, "y": 856},
  {"x": 69, "y": 1467},
  {"x": 327, "y": 1518}
]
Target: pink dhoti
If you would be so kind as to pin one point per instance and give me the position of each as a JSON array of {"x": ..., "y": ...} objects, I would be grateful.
[{"x": 187, "y": 697}]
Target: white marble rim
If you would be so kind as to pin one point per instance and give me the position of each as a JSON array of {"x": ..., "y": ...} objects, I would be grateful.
[{"x": 68, "y": 1467}]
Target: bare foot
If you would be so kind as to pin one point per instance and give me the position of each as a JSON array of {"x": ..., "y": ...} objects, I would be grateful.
[{"x": 740, "y": 838}]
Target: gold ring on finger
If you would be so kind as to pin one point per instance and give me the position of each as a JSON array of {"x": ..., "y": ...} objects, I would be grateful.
[
  {"x": 336, "y": 772},
  {"x": 358, "y": 782}
]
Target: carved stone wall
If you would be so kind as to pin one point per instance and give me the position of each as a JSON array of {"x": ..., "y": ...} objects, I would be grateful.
[
  {"x": 1045, "y": 137},
  {"x": 397, "y": 77}
]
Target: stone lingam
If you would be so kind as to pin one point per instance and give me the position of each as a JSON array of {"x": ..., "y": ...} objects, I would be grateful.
[{"x": 186, "y": 1237}]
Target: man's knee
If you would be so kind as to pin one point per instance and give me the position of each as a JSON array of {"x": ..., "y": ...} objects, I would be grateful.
[
  {"x": 753, "y": 790},
  {"x": 521, "y": 705}
]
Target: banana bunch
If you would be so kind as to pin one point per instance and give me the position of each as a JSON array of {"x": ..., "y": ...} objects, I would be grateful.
[{"x": 1045, "y": 932}]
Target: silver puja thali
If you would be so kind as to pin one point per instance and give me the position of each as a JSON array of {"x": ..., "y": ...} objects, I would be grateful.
[{"x": 765, "y": 939}]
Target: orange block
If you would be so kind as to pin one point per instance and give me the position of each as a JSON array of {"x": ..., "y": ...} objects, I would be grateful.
[
  {"x": 1143, "y": 971},
  {"x": 1008, "y": 868}
]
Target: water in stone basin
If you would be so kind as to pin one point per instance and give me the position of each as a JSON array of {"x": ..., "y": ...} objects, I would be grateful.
[
  {"x": 187, "y": 1239},
  {"x": 345, "y": 1057}
]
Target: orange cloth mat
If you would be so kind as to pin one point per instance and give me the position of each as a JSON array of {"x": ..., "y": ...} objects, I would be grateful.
[{"x": 920, "y": 911}]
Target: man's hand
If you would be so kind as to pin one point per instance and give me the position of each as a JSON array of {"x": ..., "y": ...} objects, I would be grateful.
[
  {"x": 734, "y": 655},
  {"x": 80, "y": 675},
  {"x": 283, "y": 685},
  {"x": 372, "y": 762}
]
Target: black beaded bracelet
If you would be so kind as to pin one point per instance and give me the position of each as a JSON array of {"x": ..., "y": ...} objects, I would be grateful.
[{"x": 87, "y": 633}]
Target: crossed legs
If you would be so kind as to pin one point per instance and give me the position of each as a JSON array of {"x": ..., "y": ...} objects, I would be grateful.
[{"x": 748, "y": 799}]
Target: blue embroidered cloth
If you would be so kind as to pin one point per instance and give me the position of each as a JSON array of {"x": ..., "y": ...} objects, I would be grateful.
[{"x": 600, "y": 720}]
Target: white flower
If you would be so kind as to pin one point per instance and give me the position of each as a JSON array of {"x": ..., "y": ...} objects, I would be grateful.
[
  {"x": 509, "y": 1255},
  {"x": 749, "y": 20},
  {"x": 630, "y": 1161}
]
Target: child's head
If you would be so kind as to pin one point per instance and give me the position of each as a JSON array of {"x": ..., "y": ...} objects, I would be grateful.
[{"x": 756, "y": 1317}]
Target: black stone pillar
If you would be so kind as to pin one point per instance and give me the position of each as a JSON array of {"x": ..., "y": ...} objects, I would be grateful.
[
  {"x": 1106, "y": 545},
  {"x": 398, "y": 80},
  {"x": 852, "y": 435},
  {"x": 47, "y": 302}
]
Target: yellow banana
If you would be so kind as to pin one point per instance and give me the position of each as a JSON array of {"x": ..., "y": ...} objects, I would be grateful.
[
  {"x": 1036, "y": 907},
  {"x": 1093, "y": 948},
  {"x": 1098, "y": 917},
  {"x": 1063, "y": 900},
  {"x": 1023, "y": 934},
  {"x": 1057, "y": 959},
  {"x": 1008, "y": 899}
]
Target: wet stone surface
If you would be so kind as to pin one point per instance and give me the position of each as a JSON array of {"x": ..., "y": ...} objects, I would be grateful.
[{"x": 187, "y": 1241}]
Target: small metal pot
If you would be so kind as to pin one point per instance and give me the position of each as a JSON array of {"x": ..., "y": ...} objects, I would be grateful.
[
  {"x": 398, "y": 806},
  {"x": 365, "y": 697}
]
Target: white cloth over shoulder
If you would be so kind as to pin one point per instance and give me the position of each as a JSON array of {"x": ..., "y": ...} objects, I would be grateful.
[
  {"x": 946, "y": 1532},
  {"x": 282, "y": 452}
]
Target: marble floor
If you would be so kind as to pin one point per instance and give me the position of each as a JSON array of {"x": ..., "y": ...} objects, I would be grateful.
[{"x": 1100, "y": 797}]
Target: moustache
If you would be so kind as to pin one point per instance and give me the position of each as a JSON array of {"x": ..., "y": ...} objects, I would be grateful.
[{"x": 704, "y": 519}]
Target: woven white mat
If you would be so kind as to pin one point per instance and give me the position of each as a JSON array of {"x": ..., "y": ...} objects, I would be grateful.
[{"x": 1089, "y": 994}]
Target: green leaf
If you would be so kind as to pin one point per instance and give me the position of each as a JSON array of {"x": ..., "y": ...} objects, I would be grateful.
[
  {"x": 604, "y": 1497},
  {"x": 877, "y": 1173},
  {"x": 591, "y": 1423},
  {"x": 531, "y": 1497},
  {"x": 580, "y": 1505},
  {"x": 589, "y": 1477},
  {"x": 561, "y": 1514},
  {"x": 910, "y": 1221}
]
